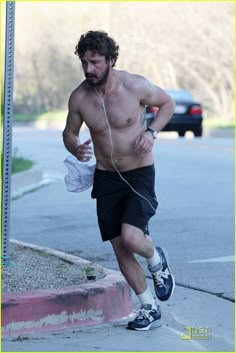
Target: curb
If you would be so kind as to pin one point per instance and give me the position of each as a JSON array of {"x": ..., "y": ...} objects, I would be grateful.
[
  {"x": 27, "y": 181},
  {"x": 100, "y": 302}
]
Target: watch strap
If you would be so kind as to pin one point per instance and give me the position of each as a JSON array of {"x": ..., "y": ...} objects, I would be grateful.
[{"x": 154, "y": 133}]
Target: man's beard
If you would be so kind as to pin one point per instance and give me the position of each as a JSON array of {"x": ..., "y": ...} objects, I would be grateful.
[{"x": 100, "y": 81}]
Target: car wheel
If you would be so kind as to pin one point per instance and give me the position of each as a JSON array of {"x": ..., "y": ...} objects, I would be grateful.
[
  {"x": 198, "y": 132},
  {"x": 181, "y": 133}
]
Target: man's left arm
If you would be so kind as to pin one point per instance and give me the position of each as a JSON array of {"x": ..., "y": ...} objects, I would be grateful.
[
  {"x": 157, "y": 97},
  {"x": 154, "y": 96}
]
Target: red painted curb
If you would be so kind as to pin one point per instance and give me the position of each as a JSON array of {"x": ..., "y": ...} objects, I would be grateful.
[{"x": 93, "y": 303}]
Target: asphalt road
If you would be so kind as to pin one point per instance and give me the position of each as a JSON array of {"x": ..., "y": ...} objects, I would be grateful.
[{"x": 194, "y": 222}]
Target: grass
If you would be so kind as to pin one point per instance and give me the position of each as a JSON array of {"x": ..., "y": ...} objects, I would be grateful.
[
  {"x": 60, "y": 116},
  {"x": 217, "y": 123},
  {"x": 25, "y": 118},
  {"x": 45, "y": 117},
  {"x": 20, "y": 164}
]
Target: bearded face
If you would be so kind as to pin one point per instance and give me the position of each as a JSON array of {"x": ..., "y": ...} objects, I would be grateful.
[
  {"x": 95, "y": 80},
  {"x": 96, "y": 68}
]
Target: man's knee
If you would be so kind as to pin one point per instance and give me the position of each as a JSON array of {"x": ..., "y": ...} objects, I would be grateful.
[
  {"x": 130, "y": 236},
  {"x": 123, "y": 254}
]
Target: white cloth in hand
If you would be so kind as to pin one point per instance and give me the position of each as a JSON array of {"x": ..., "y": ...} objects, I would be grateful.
[{"x": 80, "y": 176}]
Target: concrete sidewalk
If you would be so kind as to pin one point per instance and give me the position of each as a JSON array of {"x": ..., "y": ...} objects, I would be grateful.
[{"x": 191, "y": 321}]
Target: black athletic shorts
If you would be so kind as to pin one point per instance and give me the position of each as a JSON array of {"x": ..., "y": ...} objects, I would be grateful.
[{"x": 117, "y": 203}]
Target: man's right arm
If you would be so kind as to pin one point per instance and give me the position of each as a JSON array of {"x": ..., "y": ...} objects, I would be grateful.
[{"x": 71, "y": 132}]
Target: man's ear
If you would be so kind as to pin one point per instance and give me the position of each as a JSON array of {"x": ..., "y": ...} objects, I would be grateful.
[{"x": 111, "y": 61}]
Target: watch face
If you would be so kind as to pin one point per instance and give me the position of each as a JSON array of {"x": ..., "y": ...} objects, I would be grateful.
[{"x": 154, "y": 133}]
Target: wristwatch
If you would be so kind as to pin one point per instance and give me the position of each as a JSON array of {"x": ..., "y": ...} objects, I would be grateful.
[{"x": 154, "y": 133}]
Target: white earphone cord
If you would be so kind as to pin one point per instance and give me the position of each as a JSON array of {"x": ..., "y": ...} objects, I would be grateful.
[{"x": 111, "y": 142}]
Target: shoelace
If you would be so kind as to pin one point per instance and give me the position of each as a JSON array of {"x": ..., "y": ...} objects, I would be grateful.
[
  {"x": 142, "y": 315},
  {"x": 159, "y": 278}
]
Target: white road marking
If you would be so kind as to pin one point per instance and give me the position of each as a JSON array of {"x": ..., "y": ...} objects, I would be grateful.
[{"x": 229, "y": 258}]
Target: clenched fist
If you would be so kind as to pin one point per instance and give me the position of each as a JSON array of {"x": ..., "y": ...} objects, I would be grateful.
[{"x": 84, "y": 151}]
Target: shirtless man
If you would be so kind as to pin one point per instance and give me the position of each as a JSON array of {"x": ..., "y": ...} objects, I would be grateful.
[{"x": 112, "y": 104}]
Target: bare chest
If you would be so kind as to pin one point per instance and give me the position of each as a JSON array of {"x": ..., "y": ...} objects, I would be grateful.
[{"x": 121, "y": 110}]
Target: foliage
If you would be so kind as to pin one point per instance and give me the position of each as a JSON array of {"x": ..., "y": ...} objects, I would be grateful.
[{"x": 186, "y": 45}]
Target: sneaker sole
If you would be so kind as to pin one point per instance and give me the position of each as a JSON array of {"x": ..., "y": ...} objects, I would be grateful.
[
  {"x": 173, "y": 280},
  {"x": 155, "y": 324}
]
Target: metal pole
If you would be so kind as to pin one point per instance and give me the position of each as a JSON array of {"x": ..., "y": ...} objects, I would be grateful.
[{"x": 7, "y": 128}]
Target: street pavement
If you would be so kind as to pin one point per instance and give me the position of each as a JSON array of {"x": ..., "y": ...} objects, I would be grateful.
[
  {"x": 194, "y": 222},
  {"x": 210, "y": 319}
]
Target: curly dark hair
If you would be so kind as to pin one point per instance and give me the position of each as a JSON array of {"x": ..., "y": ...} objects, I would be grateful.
[{"x": 99, "y": 42}]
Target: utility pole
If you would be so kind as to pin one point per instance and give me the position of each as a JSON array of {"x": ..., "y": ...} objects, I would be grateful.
[{"x": 7, "y": 129}]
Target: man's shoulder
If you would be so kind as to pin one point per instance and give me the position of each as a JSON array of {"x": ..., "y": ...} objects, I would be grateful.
[
  {"x": 79, "y": 92},
  {"x": 132, "y": 81},
  {"x": 81, "y": 89},
  {"x": 128, "y": 76}
]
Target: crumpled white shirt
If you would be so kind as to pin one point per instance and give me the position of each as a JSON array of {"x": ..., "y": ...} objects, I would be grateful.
[{"x": 80, "y": 175}]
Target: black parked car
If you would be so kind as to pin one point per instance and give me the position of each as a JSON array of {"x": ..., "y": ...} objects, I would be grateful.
[{"x": 187, "y": 115}]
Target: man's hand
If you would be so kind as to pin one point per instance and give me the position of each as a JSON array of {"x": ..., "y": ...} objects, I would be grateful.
[
  {"x": 144, "y": 143},
  {"x": 84, "y": 151}
]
